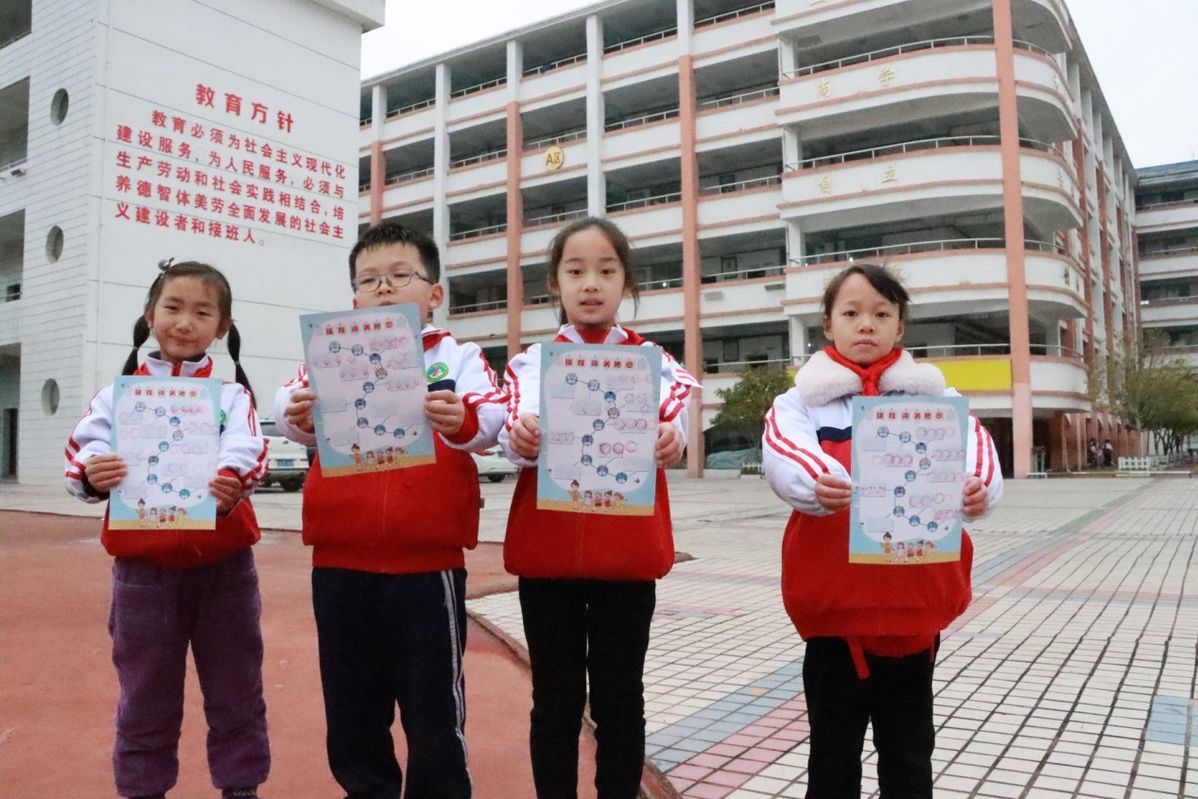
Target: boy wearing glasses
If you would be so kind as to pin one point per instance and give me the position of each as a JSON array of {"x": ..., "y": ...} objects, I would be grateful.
[{"x": 388, "y": 573}]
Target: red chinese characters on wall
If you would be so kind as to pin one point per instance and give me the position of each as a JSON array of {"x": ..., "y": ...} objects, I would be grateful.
[{"x": 218, "y": 180}]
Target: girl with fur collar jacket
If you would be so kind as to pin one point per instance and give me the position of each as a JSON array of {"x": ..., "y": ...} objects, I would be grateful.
[{"x": 872, "y": 630}]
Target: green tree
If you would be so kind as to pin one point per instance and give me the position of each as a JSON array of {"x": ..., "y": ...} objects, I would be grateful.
[
  {"x": 746, "y": 403},
  {"x": 1158, "y": 392}
]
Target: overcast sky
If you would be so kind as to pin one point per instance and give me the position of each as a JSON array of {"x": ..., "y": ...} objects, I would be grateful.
[{"x": 1142, "y": 50}]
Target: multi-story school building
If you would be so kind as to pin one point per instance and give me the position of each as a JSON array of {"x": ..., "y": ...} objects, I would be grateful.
[
  {"x": 1167, "y": 233},
  {"x": 139, "y": 130},
  {"x": 751, "y": 150}
]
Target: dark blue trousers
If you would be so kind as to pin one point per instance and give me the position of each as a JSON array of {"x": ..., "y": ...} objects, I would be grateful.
[
  {"x": 896, "y": 697},
  {"x": 390, "y": 640},
  {"x": 579, "y": 630}
]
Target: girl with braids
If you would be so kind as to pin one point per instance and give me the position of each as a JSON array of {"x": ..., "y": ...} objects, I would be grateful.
[{"x": 172, "y": 588}]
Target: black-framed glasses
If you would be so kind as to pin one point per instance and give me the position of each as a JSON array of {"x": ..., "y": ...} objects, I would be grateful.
[{"x": 369, "y": 284}]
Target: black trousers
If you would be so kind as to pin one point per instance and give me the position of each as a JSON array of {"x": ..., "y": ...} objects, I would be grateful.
[
  {"x": 896, "y": 697},
  {"x": 388, "y": 639},
  {"x": 578, "y": 629}
]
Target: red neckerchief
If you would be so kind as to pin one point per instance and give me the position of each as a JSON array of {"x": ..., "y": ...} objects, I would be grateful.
[{"x": 870, "y": 375}]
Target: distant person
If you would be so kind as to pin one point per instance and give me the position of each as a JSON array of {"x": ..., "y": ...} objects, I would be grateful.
[
  {"x": 1108, "y": 453},
  {"x": 1092, "y": 453},
  {"x": 388, "y": 568},
  {"x": 178, "y": 587},
  {"x": 864, "y": 661}
]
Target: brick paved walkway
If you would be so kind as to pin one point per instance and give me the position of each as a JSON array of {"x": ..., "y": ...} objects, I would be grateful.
[{"x": 1071, "y": 675}]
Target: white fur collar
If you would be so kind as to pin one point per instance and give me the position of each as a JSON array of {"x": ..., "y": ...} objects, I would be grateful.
[{"x": 822, "y": 380}]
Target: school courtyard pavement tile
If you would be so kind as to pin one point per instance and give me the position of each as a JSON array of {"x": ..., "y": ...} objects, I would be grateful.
[{"x": 1072, "y": 674}]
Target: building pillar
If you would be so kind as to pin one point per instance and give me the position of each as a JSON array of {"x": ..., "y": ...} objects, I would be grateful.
[
  {"x": 1008, "y": 112},
  {"x": 378, "y": 162},
  {"x": 441, "y": 159},
  {"x": 691, "y": 264},
  {"x": 596, "y": 182},
  {"x": 515, "y": 201},
  {"x": 1108, "y": 298}
]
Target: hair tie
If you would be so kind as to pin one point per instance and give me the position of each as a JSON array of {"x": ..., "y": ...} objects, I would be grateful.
[{"x": 165, "y": 264}]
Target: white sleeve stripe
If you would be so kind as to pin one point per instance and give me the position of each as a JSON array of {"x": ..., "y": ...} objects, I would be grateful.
[{"x": 784, "y": 445}]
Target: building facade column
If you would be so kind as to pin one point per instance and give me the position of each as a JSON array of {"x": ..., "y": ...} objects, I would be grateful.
[
  {"x": 515, "y": 200},
  {"x": 378, "y": 163},
  {"x": 691, "y": 265},
  {"x": 1008, "y": 111},
  {"x": 441, "y": 159},
  {"x": 1104, "y": 256},
  {"x": 596, "y": 182}
]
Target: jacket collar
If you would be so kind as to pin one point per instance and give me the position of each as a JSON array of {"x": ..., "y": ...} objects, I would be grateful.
[
  {"x": 822, "y": 380},
  {"x": 431, "y": 336},
  {"x": 154, "y": 366},
  {"x": 614, "y": 335}
]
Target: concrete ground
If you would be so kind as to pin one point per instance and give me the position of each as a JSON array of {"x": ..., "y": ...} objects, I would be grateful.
[{"x": 1073, "y": 673}]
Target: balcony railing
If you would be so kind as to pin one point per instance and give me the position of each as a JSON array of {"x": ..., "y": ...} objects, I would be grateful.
[
  {"x": 475, "y": 233},
  {"x": 561, "y": 216},
  {"x": 1169, "y": 252},
  {"x": 1167, "y": 204},
  {"x": 552, "y": 65},
  {"x": 1167, "y": 301},
  {"x": 648, "y": 37},
  {"x": 479, "y": 87},
  {"x": 407, "y": 109},
  {"x": 943, "y": 142},
  {"x": 719, "y": 101},
  {"x": 405, "y": 177},
  {"x": 740, "y": 185},
  {"x": 538, "y": 299},
  {"x": 560, "y": 138},
  {"x": 745, "y": 274},
  {"x": 492, "y": 155},
  {"x": 996, "y": 348},
  {"x": 911, "y": 47},
  {"x": 493, "y": 305},
  {"x": 660, "y": 199},
  {"x": 735, "y": 14},
  {"x": 659, "y": 283},
  {"x": 918, "y": 247},
  {"x": 632, "y": 122},
  {"x": 716, "y": 367},
  {"x": 364, "y": 122}
]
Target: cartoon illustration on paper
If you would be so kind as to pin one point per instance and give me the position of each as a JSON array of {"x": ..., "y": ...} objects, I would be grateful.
[
  {"x": 168, "y": 432},
  {"x": 599, "y": 412},
  {"x": 367, "y": 368},
  {"x": 908, "y": 478}
]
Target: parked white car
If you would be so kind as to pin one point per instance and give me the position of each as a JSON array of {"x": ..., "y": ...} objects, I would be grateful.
[
  {"x": 494, "y": 465},
  {"x": 288, "y": 461}
]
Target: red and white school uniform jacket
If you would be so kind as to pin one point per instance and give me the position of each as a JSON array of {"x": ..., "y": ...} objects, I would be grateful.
[
  {"x": 403, "y": 521},
  {"x": 242, "y": 455},
  {"x": 547, "y": 543},
  {"x": 885, "y": 610}
]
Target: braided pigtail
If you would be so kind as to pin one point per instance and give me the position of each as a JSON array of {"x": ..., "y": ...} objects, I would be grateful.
[
  {"x": 141, "y": 332},
  {"x": 235, "y": 354}
]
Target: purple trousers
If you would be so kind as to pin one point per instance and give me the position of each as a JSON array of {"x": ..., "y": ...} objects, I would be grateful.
[{"x": 156, "y": 612}]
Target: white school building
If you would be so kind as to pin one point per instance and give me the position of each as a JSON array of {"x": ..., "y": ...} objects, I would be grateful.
[{"x": 133, "y": 131}]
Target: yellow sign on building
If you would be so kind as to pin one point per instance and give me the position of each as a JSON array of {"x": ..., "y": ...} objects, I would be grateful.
[
  {"x": 554, "y": 158},
  {"x": 976, "y": 374}
]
